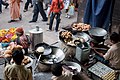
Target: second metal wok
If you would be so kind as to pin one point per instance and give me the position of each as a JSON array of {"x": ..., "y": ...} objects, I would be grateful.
[
  {"x": 56, "y": 56},
  {"x": 84, "y": 35},
  {"x": 97, "y": 31}
]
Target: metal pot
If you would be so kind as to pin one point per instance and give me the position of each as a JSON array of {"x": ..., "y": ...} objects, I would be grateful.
[
  {"x": 36, "y": 36},
  {"x": 98, "y": 34},
  {"x": 82, "y": 53},
  {"x": 56, "y": 56}
]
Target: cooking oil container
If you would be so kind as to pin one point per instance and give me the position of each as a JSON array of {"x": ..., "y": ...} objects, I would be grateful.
[
  {"x": 82, "y": 52},
  {"x": 36, "y": 36}
]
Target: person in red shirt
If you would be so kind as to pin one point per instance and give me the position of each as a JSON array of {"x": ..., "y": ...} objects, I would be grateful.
[{"x": 55, "y": 11}]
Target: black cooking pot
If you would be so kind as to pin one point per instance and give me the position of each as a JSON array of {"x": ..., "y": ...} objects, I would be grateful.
[{"x": 98, "y": 34}]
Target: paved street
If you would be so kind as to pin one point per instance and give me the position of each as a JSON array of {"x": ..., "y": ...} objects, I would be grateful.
[
  {"x": 48, "y": 37},
  {"x": 27, "y": 16}
]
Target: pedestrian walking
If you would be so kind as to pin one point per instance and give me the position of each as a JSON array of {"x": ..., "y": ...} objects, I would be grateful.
[
  {"x": 48, "y": 9},
  {"x": 27, "y": 4},
  {"x": 38, "y": 7},
  {"x": 66, "y": 6},
  {"x": 46, "y": 2},
  {"x": 71, "y": 11},
  {"x": 3, "y": 3},
  {"x": 14, "y": 10},
  {"x": 55, "y": 11}
]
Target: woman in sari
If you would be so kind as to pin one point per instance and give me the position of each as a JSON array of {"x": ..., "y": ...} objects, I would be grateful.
[{"x": 14, "y": 10}]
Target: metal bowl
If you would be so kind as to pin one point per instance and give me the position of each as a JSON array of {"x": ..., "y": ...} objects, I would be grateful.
[{"x": 73, "y": 65}]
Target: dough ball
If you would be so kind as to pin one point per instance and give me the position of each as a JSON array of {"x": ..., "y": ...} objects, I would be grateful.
[{"x": 40, "y": 49}]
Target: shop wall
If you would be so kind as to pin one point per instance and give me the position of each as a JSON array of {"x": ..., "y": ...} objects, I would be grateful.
[{"x": 116, "y": 17}]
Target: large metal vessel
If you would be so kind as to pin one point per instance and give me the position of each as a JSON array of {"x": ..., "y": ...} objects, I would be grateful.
[{"x": 36, "y": 36}]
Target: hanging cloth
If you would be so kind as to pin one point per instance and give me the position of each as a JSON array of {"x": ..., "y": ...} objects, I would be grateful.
[{"x": 98, "y": 13}]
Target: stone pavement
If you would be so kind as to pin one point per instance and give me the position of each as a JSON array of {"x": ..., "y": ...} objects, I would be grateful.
[
  {"x": 27, "y": 16},
  {"x": 48, "y": 37}
]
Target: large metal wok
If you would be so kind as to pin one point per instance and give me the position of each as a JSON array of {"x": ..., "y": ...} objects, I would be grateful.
[
  {"x": 98, "y": 34},
  {"x": 56, "y": 56}
]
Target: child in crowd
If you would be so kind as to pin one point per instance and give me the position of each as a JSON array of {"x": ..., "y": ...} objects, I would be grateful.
[
  {"x": 66, "y": 6},
  {"x": 60, "y": 73},
  {"x": 71, "y": 10},
  {"x": 48, "y": 9}
]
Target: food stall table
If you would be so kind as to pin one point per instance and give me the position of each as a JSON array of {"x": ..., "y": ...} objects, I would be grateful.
[
  {"x": 100, "y": 71},
  {"x": 3, "y": 60}
]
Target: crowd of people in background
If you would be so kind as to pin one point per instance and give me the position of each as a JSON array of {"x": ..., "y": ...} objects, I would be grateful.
[{"x": 39, "y": 6}]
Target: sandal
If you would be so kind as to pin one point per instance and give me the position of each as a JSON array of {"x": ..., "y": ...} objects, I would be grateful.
[
  {"x": 25, "y": 10},
  {"x": 11, "y": 21},
  {"x": 20, "y": 18}
]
